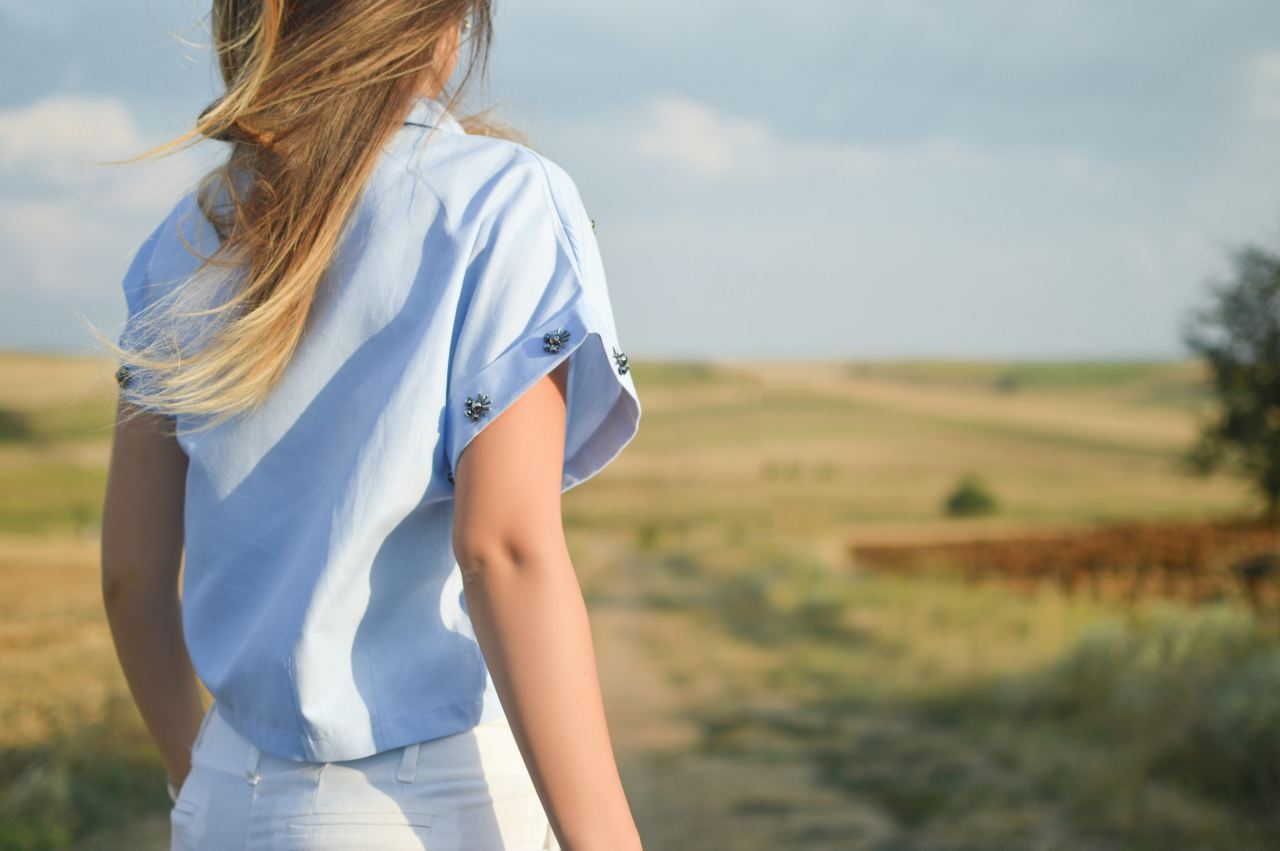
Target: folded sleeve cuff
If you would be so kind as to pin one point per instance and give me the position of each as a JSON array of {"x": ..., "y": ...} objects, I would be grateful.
[{"x": 602, "y": 407}]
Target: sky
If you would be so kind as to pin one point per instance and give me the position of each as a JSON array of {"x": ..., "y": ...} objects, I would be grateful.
[{"x": 815, "y": 179}]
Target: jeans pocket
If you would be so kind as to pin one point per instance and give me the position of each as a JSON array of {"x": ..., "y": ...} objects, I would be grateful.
[
  {"x": 183, "y": 809},
  {"x": 355, "y": 831},
  {"x": 185, "y": 822}
]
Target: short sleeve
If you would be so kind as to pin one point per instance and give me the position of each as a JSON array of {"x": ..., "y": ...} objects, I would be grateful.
[
  {"x": 139, "y": 294},
  {"x": 535, "y": 296}
]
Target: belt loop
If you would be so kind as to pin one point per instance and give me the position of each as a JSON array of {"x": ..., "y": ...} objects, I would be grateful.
[
  {"x": 408, "y": 764},
  {"x": 251, "y": 766}
]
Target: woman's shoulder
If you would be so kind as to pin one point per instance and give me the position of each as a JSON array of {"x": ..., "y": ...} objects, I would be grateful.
[
  {"x": 491, "y": 178},
  {"x": 181, "y": 235}
]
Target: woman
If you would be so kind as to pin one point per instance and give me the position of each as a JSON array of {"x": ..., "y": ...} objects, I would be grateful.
[{"x": 362, "y": 362}]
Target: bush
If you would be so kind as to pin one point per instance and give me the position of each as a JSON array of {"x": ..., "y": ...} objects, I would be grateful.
[
  {"x": 970, "y": 498},
  {"x": 1007, "y": 382},
  {"x": 15, "y": 425},
  {"x": 1192, "y": 697}
]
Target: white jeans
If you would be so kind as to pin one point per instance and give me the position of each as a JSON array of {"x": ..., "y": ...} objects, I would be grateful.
[{"x": 470, "y": 790}]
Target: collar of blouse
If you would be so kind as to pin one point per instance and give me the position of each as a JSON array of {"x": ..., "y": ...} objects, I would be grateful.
[{"x": 431, "y": 112}]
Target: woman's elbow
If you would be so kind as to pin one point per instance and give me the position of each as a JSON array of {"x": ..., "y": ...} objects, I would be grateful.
[
  {"x": 126, "y": 582},
  {"x": 483, "y": 554},
  {"x": 476, "y": 555}
]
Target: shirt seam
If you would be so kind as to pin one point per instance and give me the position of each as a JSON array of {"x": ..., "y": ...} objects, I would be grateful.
[{"x": 555, "y": 208}]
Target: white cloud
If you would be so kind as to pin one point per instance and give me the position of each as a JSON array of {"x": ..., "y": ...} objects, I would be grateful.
[
  {"x": 63, "y": 143},
  {"x": 53, "y": 138},
  {"x": 68, "y": 225},
  {"x": 681, "y": 133}
]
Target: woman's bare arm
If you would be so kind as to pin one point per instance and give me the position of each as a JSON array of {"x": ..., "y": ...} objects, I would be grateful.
[
  {"x": 142, "y": 540},
  {"x": 531, "y": 621}
]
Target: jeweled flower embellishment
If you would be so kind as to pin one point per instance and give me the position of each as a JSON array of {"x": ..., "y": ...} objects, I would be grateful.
[
  {"x": 621, "y": 359},
  {"x": 553, "y": 341},
  {"x": 477, "y": 407}
]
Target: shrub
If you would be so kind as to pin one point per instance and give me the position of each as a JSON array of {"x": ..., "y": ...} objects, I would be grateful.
[
  {"x": 970, "y": 498},
  {"x": 15, "y": 425},
  {"x": 1007, "y": 382},
  {"x": 1189, "y": 696}
]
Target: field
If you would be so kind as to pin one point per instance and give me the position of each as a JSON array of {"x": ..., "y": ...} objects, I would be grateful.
[{"x": 773, "y": 678}]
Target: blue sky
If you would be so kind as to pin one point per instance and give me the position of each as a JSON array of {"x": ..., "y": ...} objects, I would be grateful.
[{"x": 822, "y": 178}]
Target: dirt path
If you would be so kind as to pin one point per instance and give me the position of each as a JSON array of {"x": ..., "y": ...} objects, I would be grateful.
[{"x": 658, "y": 667}]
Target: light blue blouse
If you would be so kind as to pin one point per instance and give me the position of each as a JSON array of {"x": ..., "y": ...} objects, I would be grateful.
[{"x": 322, "y": 603}]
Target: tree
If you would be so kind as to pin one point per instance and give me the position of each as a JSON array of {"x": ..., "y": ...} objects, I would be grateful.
[{"x": 1238, "y": 335}]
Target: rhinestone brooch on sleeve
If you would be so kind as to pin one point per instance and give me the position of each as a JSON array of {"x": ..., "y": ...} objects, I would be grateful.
[
  {"x": 553, "y": 341},
  {"x": 621, "y": 358},
  {"x": 477, "y": 407}
]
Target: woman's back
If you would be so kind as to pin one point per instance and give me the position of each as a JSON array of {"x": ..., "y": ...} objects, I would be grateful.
[{"x": 322, "y": 602}]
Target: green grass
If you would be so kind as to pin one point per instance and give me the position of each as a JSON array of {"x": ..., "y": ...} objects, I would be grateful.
[
  {"x": 90, "y": 775},
  {"x": 972, "y": 717},
  {"x": 51, "y": 498}
]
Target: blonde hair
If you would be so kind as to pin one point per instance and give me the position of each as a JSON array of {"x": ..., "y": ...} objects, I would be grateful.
[{"x": 313, "y": 90}]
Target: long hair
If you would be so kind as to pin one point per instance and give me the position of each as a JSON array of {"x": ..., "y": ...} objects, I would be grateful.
[{"x": 314, "y": 88}]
